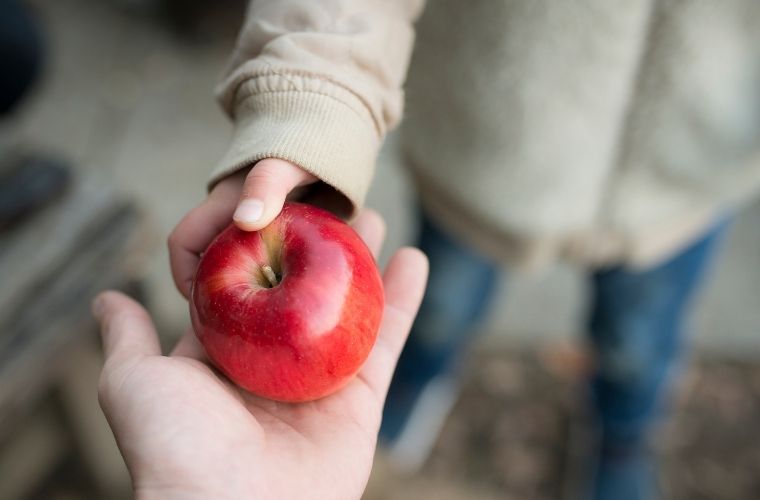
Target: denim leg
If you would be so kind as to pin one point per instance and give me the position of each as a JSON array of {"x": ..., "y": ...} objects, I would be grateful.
[
  {"x": 636, "y": 327},
  {"x": 460, "y": 287}
]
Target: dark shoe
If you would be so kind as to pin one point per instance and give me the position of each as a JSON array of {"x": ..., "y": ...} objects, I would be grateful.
[
  {"x": 625, "y": 473},
  {"x": 27, "y": 184}
]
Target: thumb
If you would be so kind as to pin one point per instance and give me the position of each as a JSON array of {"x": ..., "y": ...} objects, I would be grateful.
[
  {"x": 264, "y": 191},
  {"x": 125, "y": 326}
]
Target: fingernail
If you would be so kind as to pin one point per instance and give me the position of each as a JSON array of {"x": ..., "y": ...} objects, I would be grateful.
[
  {"x": 97, "y": 307},
  {"x": 249, "y": 211}
]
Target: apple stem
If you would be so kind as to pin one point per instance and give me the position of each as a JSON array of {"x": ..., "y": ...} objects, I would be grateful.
[{"x": 269, "y": 275}]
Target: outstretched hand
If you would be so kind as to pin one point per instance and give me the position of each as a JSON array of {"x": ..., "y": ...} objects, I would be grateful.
[
  {"x": 252, "y": 199},
  {"x": 185, "y": 431}
]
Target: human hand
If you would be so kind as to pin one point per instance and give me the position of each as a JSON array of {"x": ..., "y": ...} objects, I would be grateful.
[
  {"x": 187, "y": 432},
  {"x": 251, "y": 198}
]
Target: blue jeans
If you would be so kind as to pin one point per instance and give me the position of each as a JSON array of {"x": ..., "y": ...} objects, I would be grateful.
[{"x": 636, "y": 325}]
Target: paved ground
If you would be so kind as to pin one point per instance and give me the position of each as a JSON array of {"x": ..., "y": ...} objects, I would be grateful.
[
  {"x": 126, "y": 99},
  {"x": 519, "y": 432}
]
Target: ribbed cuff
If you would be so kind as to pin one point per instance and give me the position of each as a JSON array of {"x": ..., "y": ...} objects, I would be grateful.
[{"x": 331, "y": 139}]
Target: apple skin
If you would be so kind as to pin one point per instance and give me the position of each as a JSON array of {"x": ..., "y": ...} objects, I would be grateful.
[{"x": 309, "y": 334}]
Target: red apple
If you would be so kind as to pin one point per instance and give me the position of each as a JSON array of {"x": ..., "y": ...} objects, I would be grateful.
[{"x": 290, "y": 312}]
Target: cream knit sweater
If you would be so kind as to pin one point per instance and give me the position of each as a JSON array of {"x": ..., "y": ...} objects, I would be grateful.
[{"x": 598, "y": 131}]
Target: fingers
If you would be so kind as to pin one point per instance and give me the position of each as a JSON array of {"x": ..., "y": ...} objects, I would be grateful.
[
  {"x": 264, "y": 189},
  {"x": 404, "y": 283},
  {"x": 198, "y": 228},
  {"x": 125, "y": 327},
  {"x": 371, "y": 228},
  {"x": 189, "y": 347},
  {"x": 264, "y": 192}
]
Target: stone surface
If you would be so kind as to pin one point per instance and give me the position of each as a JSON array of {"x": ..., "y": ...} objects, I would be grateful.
[{"x": 534, "y": 443}]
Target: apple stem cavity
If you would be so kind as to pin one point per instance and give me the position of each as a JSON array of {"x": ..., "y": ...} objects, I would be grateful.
[{"x": 270, "y": 275}]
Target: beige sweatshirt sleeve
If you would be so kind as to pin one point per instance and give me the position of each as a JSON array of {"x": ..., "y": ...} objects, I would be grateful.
[{"x": 318, "y": 83}]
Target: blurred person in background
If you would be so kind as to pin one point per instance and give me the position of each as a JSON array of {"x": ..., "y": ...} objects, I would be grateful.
[{"x": 618, "y": 136}]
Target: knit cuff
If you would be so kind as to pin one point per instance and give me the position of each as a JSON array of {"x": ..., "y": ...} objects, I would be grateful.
[{"x": 334, "y": 140}]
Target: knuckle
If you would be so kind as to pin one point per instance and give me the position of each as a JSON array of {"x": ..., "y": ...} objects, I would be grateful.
[
  {"x": 265, "y": 174},
  {"x": 123, "y": 321},
  {"x": 176, "y": 239},
  {"x": 265, "y": 167},
  {"x": 112, "y": 381},
  {"x": 103, "y": 385},
  {"x": 171, "y": 240}
]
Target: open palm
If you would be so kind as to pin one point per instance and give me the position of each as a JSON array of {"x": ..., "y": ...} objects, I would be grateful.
[{"x": 187, "y": 432}]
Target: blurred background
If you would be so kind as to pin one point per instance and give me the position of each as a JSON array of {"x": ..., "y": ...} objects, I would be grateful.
[{"x": 125, "y": 99}]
